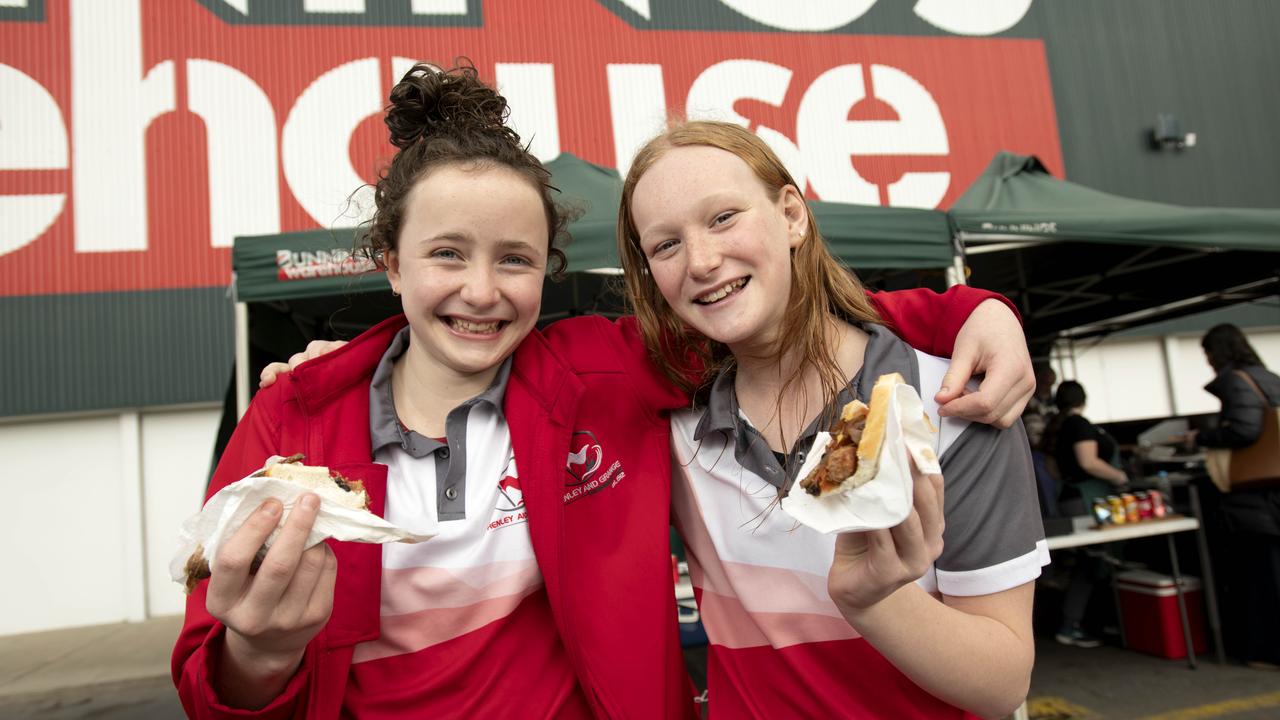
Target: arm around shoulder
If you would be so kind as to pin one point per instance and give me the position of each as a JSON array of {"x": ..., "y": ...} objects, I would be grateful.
[{"x": 928, "y": 320}]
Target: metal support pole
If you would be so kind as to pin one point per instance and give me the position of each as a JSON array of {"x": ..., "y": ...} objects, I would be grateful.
[
  {"x": 1182, "y": 603},
  {"x": 242, "y": 359},
  {"x": 1206, "y": 569}
]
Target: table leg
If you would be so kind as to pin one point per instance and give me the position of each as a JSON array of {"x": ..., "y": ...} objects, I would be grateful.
[
  {"x": 1182, "y": 603},
  {"x": 1206, "y": 569}
]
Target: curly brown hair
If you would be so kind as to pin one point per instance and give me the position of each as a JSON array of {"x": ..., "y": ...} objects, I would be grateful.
[{"x": 444, "y": 117}]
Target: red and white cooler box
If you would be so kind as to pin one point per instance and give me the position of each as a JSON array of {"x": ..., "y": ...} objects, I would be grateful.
[{"x": 1149, "y": 613}]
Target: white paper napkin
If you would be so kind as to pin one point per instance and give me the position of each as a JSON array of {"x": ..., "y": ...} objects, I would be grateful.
[
  {"x": 227, "y": 510},
  {"x": 884, "y": 501}
]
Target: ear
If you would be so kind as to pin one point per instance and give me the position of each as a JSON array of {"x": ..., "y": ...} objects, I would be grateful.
[
  {"x": 391, "y": 259},
  {"x": 796, "y": 213}
]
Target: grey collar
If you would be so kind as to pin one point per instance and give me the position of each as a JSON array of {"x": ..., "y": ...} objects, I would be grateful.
[
  {"x": 385, "y": 427},
  {"x": 885, "y": 353}
]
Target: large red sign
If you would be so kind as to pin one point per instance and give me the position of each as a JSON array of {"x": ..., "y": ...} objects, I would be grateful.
[{"x": 139, "y": 137}]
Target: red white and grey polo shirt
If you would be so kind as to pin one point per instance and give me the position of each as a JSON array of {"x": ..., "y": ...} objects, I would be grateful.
[
  {"x": 779, "y": 646},
  {"x": 464, "y": 616}
]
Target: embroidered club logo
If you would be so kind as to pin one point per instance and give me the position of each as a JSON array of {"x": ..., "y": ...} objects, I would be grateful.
[
  {"x": 584, "y": 463},
  {"x": 508, "y": 509},
  {"x": 510, "y": 498},
  {"x": 583, "y": 467}
]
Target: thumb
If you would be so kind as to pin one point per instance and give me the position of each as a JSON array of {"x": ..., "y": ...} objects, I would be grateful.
[{"x": 953, "y": 382}]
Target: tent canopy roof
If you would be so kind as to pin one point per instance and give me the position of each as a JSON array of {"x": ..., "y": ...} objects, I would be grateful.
[
  {"x": 1024, "y": 233},
  {"x": 1016, "y": 197},
  {"x": 316, "y": 263}
]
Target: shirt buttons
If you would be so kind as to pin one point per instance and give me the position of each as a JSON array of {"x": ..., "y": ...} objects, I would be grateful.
[
  {"x": 800, "y": 458},
  {"x": 451, "y": 493},
  {"x": 444, "y": 452}
]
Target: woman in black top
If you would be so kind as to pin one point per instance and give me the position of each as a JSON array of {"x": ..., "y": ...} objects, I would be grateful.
[
  {"x": 1086, "y": 455},
  {"x": 1252, "y": 517}
]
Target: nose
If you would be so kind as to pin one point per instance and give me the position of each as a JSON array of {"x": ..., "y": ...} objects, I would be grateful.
[
  {"x": 480, "y": 287},
  {"x": 704, "y": 255}
]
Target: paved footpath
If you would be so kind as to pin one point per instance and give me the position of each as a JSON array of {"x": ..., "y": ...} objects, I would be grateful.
[
  {"x": 112, "y": 672},
  {"x": 121, "y": 672}
]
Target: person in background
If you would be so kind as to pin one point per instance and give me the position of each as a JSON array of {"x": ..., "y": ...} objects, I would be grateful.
[
  {"x": 1248, "y": 391},
  {"x": 1087, "y": 460},
  {"x": 1036, "y": 418},
  {"x": 1245, "y": 388}
]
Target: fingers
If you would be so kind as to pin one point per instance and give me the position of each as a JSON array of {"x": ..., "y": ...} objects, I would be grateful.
[
  {"x": 958, "y": 373},
  {"x": 230, "y": 569},
  {"x": 321, "y": 602},
  {"x": 269, "y": 374},
  {"x": 928, "y": 501},
  {"x": 292, "y": 610},
  {"x": 315, "y": 349},
  {"x": 998, "y": 401},
  {"x": 283, "y": 558},
  {"x": 911, "y": 546}
]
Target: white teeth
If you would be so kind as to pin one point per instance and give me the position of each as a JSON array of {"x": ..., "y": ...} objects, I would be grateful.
[
  {"x": 723, "y": 292},
  {"x": 474, "y": 327}
]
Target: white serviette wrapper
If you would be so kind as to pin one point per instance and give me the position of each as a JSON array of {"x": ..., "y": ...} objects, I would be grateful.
[
  {"x": 227, "y": 510},
  {"x": 885, "y": 500}
]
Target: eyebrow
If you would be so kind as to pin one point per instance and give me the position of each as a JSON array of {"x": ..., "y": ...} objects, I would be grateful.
[
  {"x": 467, "y": 239},
  {"x": 664, "y": 228},
  {"x": 516, "y": 245}
]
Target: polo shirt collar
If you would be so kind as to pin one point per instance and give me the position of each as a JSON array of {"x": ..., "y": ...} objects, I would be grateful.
[
  {"x": 884, "y": 353},
  {"x": 385, "y": 427}
]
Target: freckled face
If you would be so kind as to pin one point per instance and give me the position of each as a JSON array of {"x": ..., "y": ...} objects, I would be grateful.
[
  {"x": 717, "y": 243},
  {"x": 469, "y": 265}
]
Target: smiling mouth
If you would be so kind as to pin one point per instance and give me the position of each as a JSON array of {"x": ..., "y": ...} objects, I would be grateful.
[
  {"x": 471, "y": 327},
  {"x": 722, "y": 292}
]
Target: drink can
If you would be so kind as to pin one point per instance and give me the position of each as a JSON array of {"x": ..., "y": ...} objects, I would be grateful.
[
  {"x": 1130, "y": 507},
  {"x": 1118, "y": 515},
  {"x": 1158, "y": 507},
  {"x": 1101, "y": 511},
  {"x": 1145, "y": 511}
]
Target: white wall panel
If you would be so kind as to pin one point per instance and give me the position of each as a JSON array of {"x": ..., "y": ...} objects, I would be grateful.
[
  {"x": 1127, "y": 379},
  {"x": 176, "y": 449},
  {"x": 1123, "y": 380},
  {"x": 1191, "y": 373},
  {"x": 66, "y": 538}
]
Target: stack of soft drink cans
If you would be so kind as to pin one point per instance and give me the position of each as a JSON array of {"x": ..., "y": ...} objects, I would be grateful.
[{"x": 1129, "y": 507}]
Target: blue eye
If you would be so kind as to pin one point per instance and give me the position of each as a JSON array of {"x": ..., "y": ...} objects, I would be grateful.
[
  {"x": 445, "y": 254},
  {"x": 515, "y": 260},
  {"x": 664, "y": 246}
]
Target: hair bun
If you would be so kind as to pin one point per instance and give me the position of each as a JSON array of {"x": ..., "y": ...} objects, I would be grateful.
[{"x": 428, "y": 101}]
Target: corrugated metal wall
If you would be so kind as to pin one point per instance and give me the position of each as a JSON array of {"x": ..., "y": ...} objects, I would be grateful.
[
  {"x": 167, "y": 338},
  {"x": 1115, "y": 65},
  {"x": 65, "y": 353}
]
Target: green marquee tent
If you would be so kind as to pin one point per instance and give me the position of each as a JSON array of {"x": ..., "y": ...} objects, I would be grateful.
[
  {"x": 299, "y": 281},
  {"x": 1081, "y": 262},
  {"x": 318, "y": 263}
]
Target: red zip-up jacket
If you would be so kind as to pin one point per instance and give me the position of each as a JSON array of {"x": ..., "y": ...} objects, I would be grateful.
[{"x": 604, "y": 555}]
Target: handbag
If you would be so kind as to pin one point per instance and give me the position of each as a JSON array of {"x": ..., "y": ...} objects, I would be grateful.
[{"x": 1255, "y": 466}]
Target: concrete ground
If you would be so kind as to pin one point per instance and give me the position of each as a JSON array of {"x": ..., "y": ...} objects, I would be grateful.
[{"x": 120, "y": 672}]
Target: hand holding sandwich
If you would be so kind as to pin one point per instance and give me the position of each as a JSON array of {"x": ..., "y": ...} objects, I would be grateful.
[
  {"x": 272, "y": 614},
  {"x": 871, "y": 565}
]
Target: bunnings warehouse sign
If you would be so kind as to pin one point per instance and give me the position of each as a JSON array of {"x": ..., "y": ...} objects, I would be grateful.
[{"x": 139, "y": 137}]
